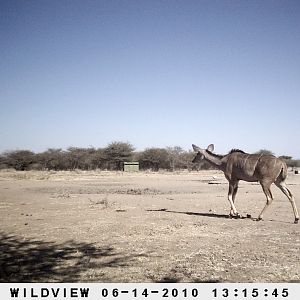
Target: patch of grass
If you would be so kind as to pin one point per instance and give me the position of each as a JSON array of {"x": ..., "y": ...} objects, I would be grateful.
[{"x": 102, "y": 202}]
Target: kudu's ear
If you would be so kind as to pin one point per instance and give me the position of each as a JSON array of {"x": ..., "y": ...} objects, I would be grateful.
[
  {"x": 211, "y": 148},
  {"x": 196, "y": 148}
]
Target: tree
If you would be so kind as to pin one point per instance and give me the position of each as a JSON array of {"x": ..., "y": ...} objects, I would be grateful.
[
  {"x": 175, "y": 157},
  {"x": 3, "y": 162},
  {"x": 285, "y": 157},
  {"x": 265, "y": 152},
  {"x": 116, "y": 153},
  {"x": 154, "y": 158},
  {"x": 98, "y": 159},
  {"x": 187, "y": 157},
  {"x": 80, "y": 158},
  {"x": 53, "y": 159},
  {"x": 19, "y": 159}
]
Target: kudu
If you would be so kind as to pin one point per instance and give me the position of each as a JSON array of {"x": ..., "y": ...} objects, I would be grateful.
[{"x": 238, "y": 165}]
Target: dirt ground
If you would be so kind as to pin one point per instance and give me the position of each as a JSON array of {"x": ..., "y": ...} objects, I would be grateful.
[{"x": 143, "y": 227}]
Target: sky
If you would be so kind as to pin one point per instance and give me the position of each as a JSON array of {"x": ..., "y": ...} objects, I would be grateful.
[{"x": 152, "y": 73}]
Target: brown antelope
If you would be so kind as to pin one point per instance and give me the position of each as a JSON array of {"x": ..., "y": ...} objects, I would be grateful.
[{"x": 238, "y": 165}]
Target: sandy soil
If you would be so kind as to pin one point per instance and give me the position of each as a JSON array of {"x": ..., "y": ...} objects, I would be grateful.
[{"x": 143, "y": 227}]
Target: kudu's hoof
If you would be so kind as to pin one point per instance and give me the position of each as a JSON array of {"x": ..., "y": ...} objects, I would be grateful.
[
  {"x": 259, "y": 219},
  {"x": 296, "y": 221},
  {"x": 235, "y": 216}
]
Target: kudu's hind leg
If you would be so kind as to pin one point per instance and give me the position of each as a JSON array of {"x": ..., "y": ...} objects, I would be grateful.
[
  {"x": 266, "y": 186},
  {"x": 233, "y": 187},
  {"x": 290, "y": 196}
]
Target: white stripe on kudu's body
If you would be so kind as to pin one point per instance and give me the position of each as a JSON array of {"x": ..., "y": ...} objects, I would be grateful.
[{"x": 238, "y": 165}]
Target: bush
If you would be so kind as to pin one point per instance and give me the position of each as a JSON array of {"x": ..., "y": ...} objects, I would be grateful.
[{"x": 111, "y": 157}]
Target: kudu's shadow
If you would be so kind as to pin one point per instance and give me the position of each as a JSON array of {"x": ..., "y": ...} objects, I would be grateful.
[
  {"x": 28, "y": 260},
  {"x": 213, "y": 215},
  {"x": 190, "y": 213}
]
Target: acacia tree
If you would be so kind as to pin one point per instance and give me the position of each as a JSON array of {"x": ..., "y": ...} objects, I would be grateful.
[
  {"x": 3, "y": 162},
  {"x": 19, "y": 159},
  {"x": 81, "y": 158},
  {"x": 187, "y": 158},
  {"x": 265, "y": 152},
  {"x": 97, "y": 159},
  {"x": 154, "y": 158},
  {"x": 175, "y": 157},
  {"x": 53, "y": 159},
  {"x": 116, "y": 153}
]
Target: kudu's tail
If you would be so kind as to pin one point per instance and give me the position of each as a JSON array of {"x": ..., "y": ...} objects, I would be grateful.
[{"x": 283, "y": 173}]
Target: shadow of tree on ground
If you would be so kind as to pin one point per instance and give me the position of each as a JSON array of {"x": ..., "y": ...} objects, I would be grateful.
[
  {"x": 175, "y": 279},
  {"x": 28, "y": 260}
]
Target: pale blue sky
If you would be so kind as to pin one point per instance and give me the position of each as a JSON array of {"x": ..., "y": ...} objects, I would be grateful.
[{"x": 154, "y": 73}]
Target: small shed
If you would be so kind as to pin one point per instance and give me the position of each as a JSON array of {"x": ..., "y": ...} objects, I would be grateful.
[{"x": 132, "y": 166}]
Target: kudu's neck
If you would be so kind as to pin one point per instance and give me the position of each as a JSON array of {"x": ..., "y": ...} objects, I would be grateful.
[{"x": 214, "y": 159}]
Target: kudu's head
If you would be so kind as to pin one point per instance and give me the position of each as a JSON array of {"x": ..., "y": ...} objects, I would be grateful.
[{"x": 200, "y": 152}]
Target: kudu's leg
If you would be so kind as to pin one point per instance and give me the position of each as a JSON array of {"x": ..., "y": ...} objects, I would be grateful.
[
  {"x": 290, "y": 196},
  {"x": 266, "y": 188},
  {"x": 233, "y": 187}
]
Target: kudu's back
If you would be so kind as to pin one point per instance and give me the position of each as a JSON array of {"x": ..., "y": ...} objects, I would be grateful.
[{"x": 254, "y": 167}]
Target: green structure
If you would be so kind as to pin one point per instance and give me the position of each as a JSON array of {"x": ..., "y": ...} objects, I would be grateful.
[{"x": 132, "y": 166}]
